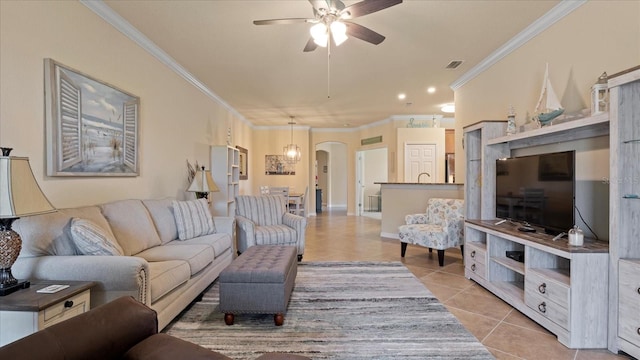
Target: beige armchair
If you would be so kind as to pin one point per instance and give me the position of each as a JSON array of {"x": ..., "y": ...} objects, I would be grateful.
[{"x": 264, "y": 220}]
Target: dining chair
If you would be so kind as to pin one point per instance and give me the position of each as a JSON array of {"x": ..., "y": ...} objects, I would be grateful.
[
  {"x": 297, "y": 204},
  {"x": 264, "y": 190},
  {"x": 280, "y": 190}
]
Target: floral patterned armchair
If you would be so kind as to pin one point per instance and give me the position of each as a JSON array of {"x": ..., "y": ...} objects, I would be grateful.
[{"x": 442, "y": 227}]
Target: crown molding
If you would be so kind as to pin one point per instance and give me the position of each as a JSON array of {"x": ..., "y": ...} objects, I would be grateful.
[
  {"x": 282, "y": 127},
  {"x": 562, "y": 9},
  {"x": 114, "y": 19}
]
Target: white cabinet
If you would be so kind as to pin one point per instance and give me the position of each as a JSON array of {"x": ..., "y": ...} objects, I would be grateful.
[
  {"x": 561, "y": 287},
  {"x": 624, "y": 209},
  {"x": 564, "y": 289},
  {"x": 481, "y": 164},
  {"x": 225, "y": 170}
]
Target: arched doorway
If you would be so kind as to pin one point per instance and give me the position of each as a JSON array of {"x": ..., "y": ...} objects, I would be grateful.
[{"x": 331, "y": 172}]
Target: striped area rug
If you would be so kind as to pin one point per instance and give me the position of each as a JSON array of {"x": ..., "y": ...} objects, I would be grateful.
[{"x": 339, "y": 310}]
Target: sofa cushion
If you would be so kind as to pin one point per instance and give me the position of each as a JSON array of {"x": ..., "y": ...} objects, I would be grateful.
[
  {"x": 263, "y": 210},
  {"x": 197, "y": 256},
  {"x": 218, "y": 242},
  {"x": 90, "y": 239},
  {"x": 49, "y": 234},
  {"x": 161, "y": 212},
  {"x": 132, "y": 225},
  {"x": 276, "y": 235},
  {"x": 165, "y": 276},
  {"x": 193, "y": 218}
]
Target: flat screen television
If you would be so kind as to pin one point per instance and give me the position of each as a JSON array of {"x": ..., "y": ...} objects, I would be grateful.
[{"x": 538, "y": 190}]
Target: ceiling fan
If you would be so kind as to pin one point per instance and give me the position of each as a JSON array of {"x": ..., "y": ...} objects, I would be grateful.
[{"x": 332, "y": 21}]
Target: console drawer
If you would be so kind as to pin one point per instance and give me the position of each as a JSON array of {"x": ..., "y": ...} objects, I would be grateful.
[
  {"x": 475, "y": 259},
  {"x": 475, "y": 253},
  {"x": 629, "y": 301},
  {"x": 66, "y": 309},
  {"x": 547, "y": 288},
  {"x": 547, "y": 308}
]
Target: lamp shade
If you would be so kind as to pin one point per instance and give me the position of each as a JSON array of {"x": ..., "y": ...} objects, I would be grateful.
[
  {"x": 319, "y": 34},
  {"x": 203, "y": 182},
  {"x": 20, "y": 194},
  {"x": 339, "y": 32}
]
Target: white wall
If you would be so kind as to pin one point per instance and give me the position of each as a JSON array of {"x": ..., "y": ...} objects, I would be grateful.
[
  {"x": 176, "y": 121},
  {"x": 598, "y": 36}
]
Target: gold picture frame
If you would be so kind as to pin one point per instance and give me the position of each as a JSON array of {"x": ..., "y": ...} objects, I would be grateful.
[{"x": 243, "y": 162}]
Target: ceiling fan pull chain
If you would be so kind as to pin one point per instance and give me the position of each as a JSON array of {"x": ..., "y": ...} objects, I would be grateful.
[{"x": 329, "y": 69}]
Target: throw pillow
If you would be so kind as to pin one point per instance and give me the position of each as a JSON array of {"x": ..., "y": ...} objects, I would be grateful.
[
  {"x": 193, "y": 218},
  {"x": 91, "y": 239}
]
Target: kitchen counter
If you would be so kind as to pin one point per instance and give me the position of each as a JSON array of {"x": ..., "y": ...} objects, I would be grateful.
[
  {"x": 412, "y": 183},
  {"x": 400, "y": 199}
]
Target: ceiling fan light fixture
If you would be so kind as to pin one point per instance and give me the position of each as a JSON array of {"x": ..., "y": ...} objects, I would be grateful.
[
  {"x": 448, "y": 108},
  {"x": 319, "y": 34},
  {"x": 339, "y": 32}
]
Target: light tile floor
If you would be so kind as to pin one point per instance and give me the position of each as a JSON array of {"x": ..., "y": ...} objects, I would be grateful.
[{"x": 334, "y": 236}]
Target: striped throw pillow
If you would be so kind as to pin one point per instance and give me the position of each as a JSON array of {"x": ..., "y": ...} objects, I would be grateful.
[
  {"x": 90, "y": 239},
  {"x": 193, "y": 218}
]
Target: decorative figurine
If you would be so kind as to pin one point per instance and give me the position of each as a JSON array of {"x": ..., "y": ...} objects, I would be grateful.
[
  {"x": 600, "y": 95},
  {"x": 549, "y": 106}
]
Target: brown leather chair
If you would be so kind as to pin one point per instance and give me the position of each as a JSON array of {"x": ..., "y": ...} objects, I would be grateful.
[{"x": 121, "y": 329}]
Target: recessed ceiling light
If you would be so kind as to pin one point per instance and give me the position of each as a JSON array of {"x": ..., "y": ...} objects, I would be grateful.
[
  {"x": 431, "y": 90},
  {"x": 402, "y": 96},
  {"x": 448, "y": 108}
]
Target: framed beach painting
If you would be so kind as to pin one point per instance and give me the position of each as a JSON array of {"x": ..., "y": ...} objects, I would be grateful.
[{"x": 91, "y": 126}]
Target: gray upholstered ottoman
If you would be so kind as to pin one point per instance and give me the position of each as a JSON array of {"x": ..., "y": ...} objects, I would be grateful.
[{"x": 259, "y": 281}]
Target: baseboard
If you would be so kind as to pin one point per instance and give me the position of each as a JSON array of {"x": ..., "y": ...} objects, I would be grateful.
[{"x": 390, "y": 235}]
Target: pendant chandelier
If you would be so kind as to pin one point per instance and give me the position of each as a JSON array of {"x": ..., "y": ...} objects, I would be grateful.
[{"x": 291, "y": 152}]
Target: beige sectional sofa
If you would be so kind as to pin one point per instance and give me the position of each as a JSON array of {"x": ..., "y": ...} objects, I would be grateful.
[{"x": 152, "y": 264}]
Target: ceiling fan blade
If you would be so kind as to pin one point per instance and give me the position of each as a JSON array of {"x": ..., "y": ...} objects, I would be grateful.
[
  {"x": 336, "y": 4},
  {"x": 319, "y": 4},
  {"x": 367, "y": 7},
  {"x": 363, "y": 33},
  {"x": 311, "y": 45},
  {"x": 327, "y": 5},
  {"x": 282, "y": 21}
]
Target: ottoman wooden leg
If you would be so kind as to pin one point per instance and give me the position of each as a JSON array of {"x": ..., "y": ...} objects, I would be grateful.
[
  {"x": 228, "y": 319},
  {"x": 278, "y": 319}
]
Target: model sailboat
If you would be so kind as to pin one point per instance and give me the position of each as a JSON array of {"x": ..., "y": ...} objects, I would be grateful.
[{"x": 549, "y": 106}]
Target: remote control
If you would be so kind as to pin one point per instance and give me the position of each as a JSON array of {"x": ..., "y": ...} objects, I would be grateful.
[
  {"x": 52, "y": 289},
  {"x": 559, "y": 236},
  {"x": 526, "y": 229},
  {"x": 500, "y": 222}
]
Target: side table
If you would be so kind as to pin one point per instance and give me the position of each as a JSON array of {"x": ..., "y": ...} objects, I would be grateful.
[{"x": 25, "y": 311}]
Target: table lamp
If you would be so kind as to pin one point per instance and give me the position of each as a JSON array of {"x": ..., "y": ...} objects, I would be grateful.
[
  {"x": 20, "y": 196},
  {"x": 202, "y": 184}
]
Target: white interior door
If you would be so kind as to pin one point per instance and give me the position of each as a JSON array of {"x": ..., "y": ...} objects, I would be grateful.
[
  {"x": 420, "y": 158},
  {"x": 359, "y": 183}
]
